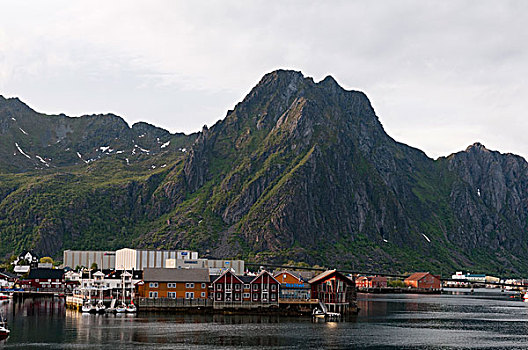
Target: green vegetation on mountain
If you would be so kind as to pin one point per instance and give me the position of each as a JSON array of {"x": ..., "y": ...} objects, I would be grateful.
[{"x": 297, "y": 171}]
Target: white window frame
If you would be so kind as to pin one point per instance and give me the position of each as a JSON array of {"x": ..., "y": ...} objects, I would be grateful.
[
  {"x": 153, "y": 284},
  {"x": 203, "y": 295},
  {"x": 171, "y": 285},
  {"x": 171, "y": 295},
  {"x": 189, "y": 285},
  {"x": 247, "y": 286},
  {"x": 204, "y": 286},
  {"x": 189, "y": 295},
  {"x": 153, "y": 295}
]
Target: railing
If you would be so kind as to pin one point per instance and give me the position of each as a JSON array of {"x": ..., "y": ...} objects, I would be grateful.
[
  {"x": 172, "y": 303},
  {"x": 243, "y": 304}
]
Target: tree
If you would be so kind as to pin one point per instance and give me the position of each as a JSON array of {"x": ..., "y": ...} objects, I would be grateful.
[
  {"x": 94, "y": 266},
  {"x": 46, "y": 259}
]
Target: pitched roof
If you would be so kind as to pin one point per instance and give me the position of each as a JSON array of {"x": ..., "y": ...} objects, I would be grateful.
[
  {"x": 176, "y": 275},
  {"x": 301, "y": 275},
  {"x": 45, "y": 273},
  {"x": 417, "y": 276},
  {"x": 225, "y": 273},
  {"x": 328, "y": 273}
]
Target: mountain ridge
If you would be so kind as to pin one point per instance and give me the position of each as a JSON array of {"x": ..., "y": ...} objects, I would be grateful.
[{"x": 298, "y": 170}]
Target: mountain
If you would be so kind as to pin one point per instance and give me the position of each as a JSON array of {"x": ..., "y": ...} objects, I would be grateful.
[{"x": 297, "y": 171}]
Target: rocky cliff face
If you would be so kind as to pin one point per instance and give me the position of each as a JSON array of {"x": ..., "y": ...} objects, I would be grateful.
[{"x": 299, "y": 170}]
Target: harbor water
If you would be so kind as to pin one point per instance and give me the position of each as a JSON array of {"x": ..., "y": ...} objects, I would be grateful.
[{"x": 487, "y": 319}]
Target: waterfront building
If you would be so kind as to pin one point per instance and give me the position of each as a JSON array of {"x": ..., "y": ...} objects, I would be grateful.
[
  {"x": 264, "y": 288},
  {"x": 136, "y": 259},
  {"x": 371, "y": 282},
  {"x": 174, "y": 283},
  {"x": 7, "y": 279},
  {"x": 44, "y": 280},
  {"x": 423, "y": 280},
  {"x": 231, "y": 291},
  {"x": 334, "y": 289},
  {"x": 293, "y": 286},
  {"x": 105, "y": 259}
]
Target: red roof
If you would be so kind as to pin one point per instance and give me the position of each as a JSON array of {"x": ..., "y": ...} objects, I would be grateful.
[
  {"x": 327, "y": 274},
  {"x": 418, "y": 276}
]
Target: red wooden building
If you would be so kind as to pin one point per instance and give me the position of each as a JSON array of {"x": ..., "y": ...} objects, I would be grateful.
[
  {"x": 264, "y": 288},
  {"x": 423, "y": 280},
  {"x": 371, "y": 282},
  {"x": 337, "y": 291},
  {"x": 230, "y": 290},
  {"x": 44, "y": 280}
]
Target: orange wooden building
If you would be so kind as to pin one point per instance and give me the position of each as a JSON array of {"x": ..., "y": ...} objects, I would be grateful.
[
  {"x": 423, "y": 280},
  {"x": 174, "y": 283},
  {"x": 293, "y": 286}
]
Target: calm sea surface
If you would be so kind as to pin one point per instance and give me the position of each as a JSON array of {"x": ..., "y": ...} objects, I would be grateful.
[{"x": 487, "y": 319}]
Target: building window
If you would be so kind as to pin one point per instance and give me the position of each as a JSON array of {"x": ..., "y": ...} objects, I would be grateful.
[
  {"x": 36, "y": 280},
  {"x": 246, "y": 295},
  {"x": 255, "y": 287},
  {"x": 189, "y": 285},
  {"x": 204, "y": 286},
  {"x": 171, "y": 295},
  {"x": 203, "y": 295},
  {"x": 218, "y": 296},
  {"x": 153, "y": 284},
  {"x": 153, "y": 295},
  {"x": 218, "y": 287},
  {"x": 273, "y": 296},
  {"x": 255, "y": 296},
  {"x": 171, "y": 285},
  {"x": 246, "y": 286},
  {"x": 237, "y": 296},
  {"x": 273, "y": 287},
  {"x": 189, "y": 295},
  {"x": 237, "y": 286}
]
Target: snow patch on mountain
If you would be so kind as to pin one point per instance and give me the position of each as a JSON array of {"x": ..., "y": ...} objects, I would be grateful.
[{"x": 22, "y": 152}]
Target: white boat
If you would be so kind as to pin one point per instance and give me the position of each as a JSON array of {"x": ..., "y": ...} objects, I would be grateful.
[
  {"x": 121, "y": 308},
  {"x": 131, "y": 308},
  {"x": 100, "y": 307},
  {"x": 525, "y": 296},
  {"x": 88, "y": 307}
]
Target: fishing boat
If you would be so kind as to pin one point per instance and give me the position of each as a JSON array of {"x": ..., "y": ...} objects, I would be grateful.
[
  {"x": 121, "y": 308},
  {"x": 131, "y": 308},
  {"x": 100, "y": 308},
  {"x": 88, "y": 307}
]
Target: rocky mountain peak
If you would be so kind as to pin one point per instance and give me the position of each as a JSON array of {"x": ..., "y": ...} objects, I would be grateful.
[{"x": 477, "y": 147}]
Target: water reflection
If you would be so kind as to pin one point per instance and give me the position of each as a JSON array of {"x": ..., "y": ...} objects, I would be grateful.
[{"x": 384, "y": 322}]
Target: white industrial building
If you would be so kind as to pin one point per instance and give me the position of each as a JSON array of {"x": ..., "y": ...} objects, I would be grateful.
[
  {"x": 137, "y": 259},
  {"x": 104, "y": 259}
]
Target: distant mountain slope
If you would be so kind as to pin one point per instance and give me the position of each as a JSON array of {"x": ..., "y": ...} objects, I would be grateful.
[
  {"x": 298, "y": 170},
  {"x": 30, "y": 140}
]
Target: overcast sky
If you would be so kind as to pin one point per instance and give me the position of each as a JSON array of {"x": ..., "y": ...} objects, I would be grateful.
[{"x": 440, "y": 74}]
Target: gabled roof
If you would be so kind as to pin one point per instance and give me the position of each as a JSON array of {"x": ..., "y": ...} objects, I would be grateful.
[
  {"x": 176, "y": 275},
  {"x": 45, "y": 274},
  {"x": 263, "y": 272},
  {"x": 225, "y": 273},
  {"x": 328, "y": 273},
  {"x": 417, "y": 276},
  {"x": 295, "y": 274}
]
